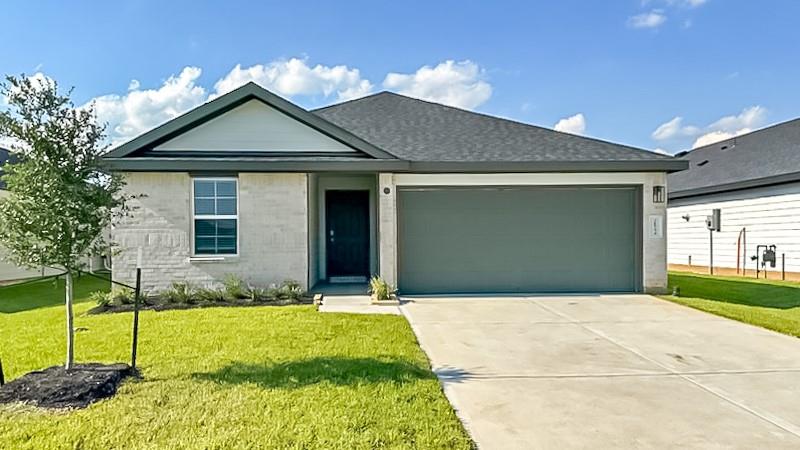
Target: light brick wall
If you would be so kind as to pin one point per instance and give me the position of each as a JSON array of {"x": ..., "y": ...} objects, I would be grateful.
[
  {"x": 387, "y": 228},
  {"x": 273, "y": 232}
]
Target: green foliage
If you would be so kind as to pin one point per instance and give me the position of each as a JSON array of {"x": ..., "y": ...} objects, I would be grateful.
[
  {"x": 100, "y": 298},
  {"x": 235, "y": 288},
  {"x": 257, "y": 294},
  {"x": 180, "y": 293},
  {"x": 381, "y": 289},
  {"x": 61, "y": 198},
  {"x": 117, "y": 297},
  {"x": 210, "y": 295},
  {"x": 288, "y": 290}
]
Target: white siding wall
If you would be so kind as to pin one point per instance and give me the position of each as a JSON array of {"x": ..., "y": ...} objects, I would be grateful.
[
  {"x": 273, "y": 236},
  {"x": 254, "y": 126},
  {"x": 770, "y": 215}
]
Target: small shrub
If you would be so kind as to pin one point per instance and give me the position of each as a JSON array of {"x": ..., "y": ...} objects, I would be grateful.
[
  {"x": 100, "y": 298},
  {"x": 179, "y": 293},
  {"x": 118, "y": 297},
  {"x": 235, "y": 288},
  {"x": 291, "y": 290},
  {"x": 123, "y": 297},
  {"x": 257, "y": 294},
  {"x": 210, "y": 295},
  {"x": 381, "y": 289}
]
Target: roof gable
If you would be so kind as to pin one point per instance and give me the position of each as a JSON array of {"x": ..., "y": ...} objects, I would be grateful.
[
  {"x": 254, "y": 126},
  {"x": 324, "y": 133}
]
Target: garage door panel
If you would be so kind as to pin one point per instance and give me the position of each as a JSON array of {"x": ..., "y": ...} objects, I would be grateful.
[{"x": 517, "y": 240}]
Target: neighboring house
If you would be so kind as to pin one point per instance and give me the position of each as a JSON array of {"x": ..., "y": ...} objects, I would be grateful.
[
  {"x": 8, "y": 271},
  {"x": 754, "y": 179},
  {"x": 435, "y": 199}
]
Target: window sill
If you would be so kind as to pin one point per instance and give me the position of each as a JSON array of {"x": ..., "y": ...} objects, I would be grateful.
[{"x": 213, "y": 259}]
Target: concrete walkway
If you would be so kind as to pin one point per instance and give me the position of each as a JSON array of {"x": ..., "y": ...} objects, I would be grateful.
[
  {"x": 355, "y": 304},
  {"x": 626, "y": 371}
]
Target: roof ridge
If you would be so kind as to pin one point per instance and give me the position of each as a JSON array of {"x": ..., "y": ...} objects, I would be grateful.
[{"x": 352, "y": 100}]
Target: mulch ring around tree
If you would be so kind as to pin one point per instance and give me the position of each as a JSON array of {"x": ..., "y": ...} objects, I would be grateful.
[
  {"x": 160, "y": 305},
  {"x": 56, "y": 387}
]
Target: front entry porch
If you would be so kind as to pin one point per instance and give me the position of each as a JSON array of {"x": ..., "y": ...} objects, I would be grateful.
[{"x": 342, "y": 232}]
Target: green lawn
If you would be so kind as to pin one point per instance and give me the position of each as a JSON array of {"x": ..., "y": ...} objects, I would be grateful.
[
  {"x": 257, "y": 377},
  {"x": 769, "y": 304}
]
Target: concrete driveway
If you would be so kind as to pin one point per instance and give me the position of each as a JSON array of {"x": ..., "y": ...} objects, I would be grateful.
[{"x": 611, "y": 371}]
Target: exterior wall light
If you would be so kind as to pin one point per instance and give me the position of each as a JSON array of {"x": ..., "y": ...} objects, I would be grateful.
[
  {"x": 659, "y": 194},
  {"x": 386, "y": 190}
]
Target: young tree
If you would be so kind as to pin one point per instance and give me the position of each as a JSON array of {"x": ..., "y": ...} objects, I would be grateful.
[{"x": 61, "y": 198}]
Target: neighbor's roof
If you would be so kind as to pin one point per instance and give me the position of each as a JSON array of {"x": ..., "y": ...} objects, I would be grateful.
[
  {"x": 395, "y": 133},
  {"x": 765, "y": 157}
]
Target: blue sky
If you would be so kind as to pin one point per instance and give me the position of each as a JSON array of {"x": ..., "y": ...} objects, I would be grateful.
[{"x": 659, "y": 74}]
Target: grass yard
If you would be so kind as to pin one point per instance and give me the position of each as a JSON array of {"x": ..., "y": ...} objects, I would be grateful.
[
  {"x": 256, "y": 377},
  {"x": 769, "y": 304}
]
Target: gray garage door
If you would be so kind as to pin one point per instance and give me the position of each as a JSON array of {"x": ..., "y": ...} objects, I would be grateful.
[{"x": 519, "y": 239}]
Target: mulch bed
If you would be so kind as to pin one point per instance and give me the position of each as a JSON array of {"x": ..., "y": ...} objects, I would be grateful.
[
  {"x": 158, "y": 305},
  {"x": 56, "y": 387}
]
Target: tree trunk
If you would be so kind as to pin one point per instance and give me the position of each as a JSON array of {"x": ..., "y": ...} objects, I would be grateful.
[{"x": 70, "y": 326}]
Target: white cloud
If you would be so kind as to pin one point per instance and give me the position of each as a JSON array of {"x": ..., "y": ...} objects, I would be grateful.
[
  {"x": 575, "y": 124},
  {"x": 716, "y": 136},
  {"x": 673, "y": 129},
  {"x": 652, "y": 19},
  {"x": 140, "y": 110},
  {"x": 294, "y": 77},
  {"x": 725, "y": 128},
  {"x": 687, "y": 3},
  {"x": 459, "y": 84}
]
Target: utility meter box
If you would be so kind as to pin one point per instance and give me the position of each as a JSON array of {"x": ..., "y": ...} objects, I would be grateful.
[
  {"x": 714, "y": 221},
  {"x": 768, "y": 257}
]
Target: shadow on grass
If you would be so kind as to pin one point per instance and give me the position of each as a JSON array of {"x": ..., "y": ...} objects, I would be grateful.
[
  {"x": 336, "y": 370},
  {"x": 737, "y": 292},
  {"x": 34, "y": 294}
]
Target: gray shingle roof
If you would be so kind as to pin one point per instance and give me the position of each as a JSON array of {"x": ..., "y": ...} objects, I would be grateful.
[
  {"x": 764, "y": 157},
  {"x": 418, "y": 130}
]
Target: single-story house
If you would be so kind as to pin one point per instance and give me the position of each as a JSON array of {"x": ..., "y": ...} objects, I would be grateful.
[
  {"x": 754, "y": 180},
  {"x": 435, "y": 199},
  {"x": 11, "y": 272},
  {"x": 8, "y": 271}
]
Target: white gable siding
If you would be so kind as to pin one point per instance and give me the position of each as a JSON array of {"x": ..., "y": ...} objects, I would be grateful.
[
  {"x": 770, "y": 215},
  {"x": 254, "y": 126}
]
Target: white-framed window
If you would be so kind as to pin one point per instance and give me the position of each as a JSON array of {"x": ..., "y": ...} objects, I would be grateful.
[{"x": 215, "y": 207}]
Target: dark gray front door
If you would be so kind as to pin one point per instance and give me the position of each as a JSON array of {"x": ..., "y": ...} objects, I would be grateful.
[
  {"x": 347, "y": 233},
  {"x": 519, "y": 239}
]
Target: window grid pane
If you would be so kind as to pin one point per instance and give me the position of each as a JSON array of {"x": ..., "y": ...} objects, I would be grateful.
[{"x": 215, "y": 222}]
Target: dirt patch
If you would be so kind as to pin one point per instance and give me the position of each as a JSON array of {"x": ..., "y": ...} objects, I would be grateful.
[
  {"x": 158, "y": 305},
  {"x": 56, "y": 387}
]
